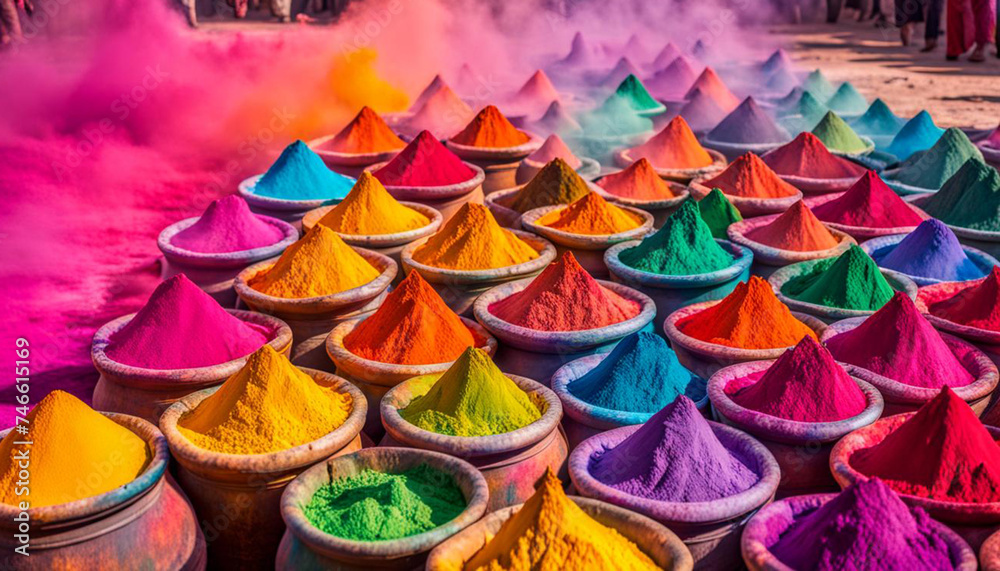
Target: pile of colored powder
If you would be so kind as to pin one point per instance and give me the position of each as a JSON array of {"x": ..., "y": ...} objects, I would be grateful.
[
  {"x": 557, "y": 120},
  {"x": 796, "y": 229},
  {"x": 472, "y": 240},
  {"x": 413, "y": 326},
  {"x": 581, "y": 53},
  {"x": 942, "y": 452},
  {"x": 674, "y": 147},
  {"x": 684, "y": 246},
  {"x": 790, "y": 100},
  {"x": 750, "y": 177},
  {"x": 369, "y": 210},
  {"x": 838, "y": 135},
  {"x": 847, "y": 100},
  {"x": 75, "y": 453},
  {"x": 849, "y": 281},
  {"x": 869, "y": 203},
  {"x": 227, "y": 225},
  {"x": 471, "y": 398},
  {"x": 268, "y": 406},
  {"x": 674, "y": 79},
  {"x": 808, "y": 107},
  {"x": 641, "y": 374},
  {"x": 424, "y": 162},
  {"x": 900, "y": 344},
  {"x": 931, "y": 251},
  {"x": 639, "y": 181},
  {"x": 319, "y": 264},
  {"x": 490, "y": 129},
  {"x": 674, "y": 457},
  {"x": 564, "y": 297},
  {"x": 366, "y": 133},
  {"x": 622, "y": 69},
  {"x": 552, "y": 532},
  {"x": 667, "y": 55},
  {"x": 993, "y": 141},
  {"x": 779, "y": 59},
  {"x": 701, "y": 112},
  {"x": 556, "y": 183},
  {"x": 933, "y": 168},
  {"x": 969, "y": 199},
  {"x": 781, "y": 81},
  {"x": 299, "y": 174},
  {"x": 375, "y": 506},
  {"x": 591, "y": 215},
  {"x": 918, "y": 134},
  {"x": 715, "y": 89},
  {"x": 718, "y": 213},
  {"x": 443, "y": 113},
  {"x": 749, "y": 124},
  {"x": 437, "y": 83},
  {"x": 806, "y": 156},
  {"x": 817, "y": 84},
  {"x": 182, "y": 327},
  {"x": 878, "y": 120},
  {"x": 805, "y": 384},
  {"x": 536, "y": 94},
  {"x": 615, "y": 118},
  {"x": 866, "y": 525},
  {"x": 635, "y": 94},
  {"x": 976, "y": 306},
  {"x": 750, "y": 317},
  {"x": 554, "y": 148}
]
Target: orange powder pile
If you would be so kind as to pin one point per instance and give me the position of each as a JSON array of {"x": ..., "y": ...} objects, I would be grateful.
[
  {"x": 674, "y": 147},
  {"x": 749, "y": 177},
  {"x": 556, "y": 183},
  {"x": 555, "y": 148},
  {"x": 490, "y": 129},
  {"x": 472, "y": 240},
  {"x": 712, "y": 87},
  {"x": 413, "y": 326},
  {"x": 749, "y": 318},
  {"x": 796, "y": 229},
  {"x": 638, "y": 181},
  {"x": 366, "y": 133},
  {"x": 369, "y": 210},
  {"x": 591, "y": 215}
]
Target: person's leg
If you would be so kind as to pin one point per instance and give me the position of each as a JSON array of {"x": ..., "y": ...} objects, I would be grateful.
[
  {"x": 10, "y": 22},
  {"x": 833, "y": 10},
  {"x": 908, "y": 13},
  {"x": 932, "y": 29},
  {"x": 984, "y": 19}
]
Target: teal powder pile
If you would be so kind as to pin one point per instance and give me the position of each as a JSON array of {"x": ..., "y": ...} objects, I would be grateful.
[
  {"x": 641, "y": 374},
  {"x": 817, "y": 84},
  {"x": 718, "y": 213},
  {"x": 969, "y": 199},
  {"x": 809, "y": 108},
  {"x": 299, "y": 174},
  {"x": 918, "y": 134},
  {"x": 849, "y": 281},
  {"x": 684, "y": 246},
  {"x": 615, "y": 117},
  {"x": 878, "y": 121},
  {"x": 847, "y": 100},
  {"x": 635, "y": 94},
  {"x": 932, "y": 169},
  {"x": 375, "y": 506}
]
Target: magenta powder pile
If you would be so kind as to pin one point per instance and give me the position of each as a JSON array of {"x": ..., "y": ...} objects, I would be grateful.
[
  {"x": 227, "y": 226},
  {"x": 673, "y": 457},
  {"x": 182, "y": 327},
  {"x": 900, "y": 344}
]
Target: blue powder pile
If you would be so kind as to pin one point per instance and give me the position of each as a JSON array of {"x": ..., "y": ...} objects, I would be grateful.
[
  {"x": 299, "y": 174},
  {"x": 918, "y": 134},
  {"x": 931, "y": 251}
]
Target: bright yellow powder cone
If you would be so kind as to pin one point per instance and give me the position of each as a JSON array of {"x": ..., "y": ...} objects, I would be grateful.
[
  {"x": 369, "y": 210},
  {"x": 591, "y": 215},
  {"x": 472, "y": 240}
]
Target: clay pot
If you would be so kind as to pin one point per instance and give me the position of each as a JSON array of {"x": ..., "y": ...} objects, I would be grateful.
[
  {"x": 748, "y": 207},
  {"x": 290, "y": 211},
  {"x": 819, "y": 186},
  {"x": 625, "y": 157},
  {"x": 900, "y": 188},
  {"x": 878, "y": 248},
  {"x": 733, "y": 151},
  {"x": 509, "y": 218},
  {"x": 348, "y": 164},
  {"x": 991, "y": 154},
  {"x": 860, "y": 233},
  {"x": 498, "y": 164},
  {"x": 528, "y": 168},
  {"x": 446, "y": 199},
  {"x": 983, "y": 240},
  {"x": 989, "y": 553},
  {"x": 768, "y": 259}
]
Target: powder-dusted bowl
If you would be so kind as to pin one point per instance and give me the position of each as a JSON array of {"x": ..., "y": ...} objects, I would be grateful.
[
  {"x": 767, "y": 526},
  {"x": 984, "y": 240},
  {"x": 671, "y": 293},
  {"x": 589, "y": 169},
  {"x": 625, "y": 157},
  {"x": 498, "y": 164},
  {"x": 238, "y": 495},
  {"x": 290, "y": 211},
  {"x": 733, "y": 151},
  {"x": 985, "y": 340},
  {"x": 748, "y": 206},
  {"x": 661, "y": 208},
  {"x": 375, "y": 378},
  {"x": 861, "y": 233},
  {"x": 348, "y": 164},
  {"x": 446, "y": 199},
  {"x": 652, "y": 538},
  {"x": 901, "y": 188},
  {"x": 829, "y": 314},
  {"x": 711, "y": 530},
  {"x": 603, "y": 147},
  {"x": 512, "y": 462},
  {"x": 989, "y": 553},
  {"x": 819, "y": 186},
  {"x": 146, "y": 393},
  {"x": 900, "y": 397},
  {"x": 535, "y": 352},
  {"x": 460, "y": 288},
  {"x": 768, "y": 259},
  {"x": 878, "y": 248},
  {"x": 510, "y": 218},
  {"x": 802, "y": 449},
  {"x": 305, "y": 546},
  {"x": 149, "y": 515}
]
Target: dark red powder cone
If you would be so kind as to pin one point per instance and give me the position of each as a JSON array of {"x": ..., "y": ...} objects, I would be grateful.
[
  {"x": 424, "y": 162},
  {"x": 869, "y": 203},
  {"x": 807, "y": 156},
  {"x": 977, "y": 306}
]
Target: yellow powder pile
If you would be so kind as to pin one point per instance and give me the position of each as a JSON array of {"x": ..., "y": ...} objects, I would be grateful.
[
  {"x": 269, "y": 405},
  {"x": 556, "y": 183},
  {"x": 75, "y": 453},
  {"x": 550, "y": 532},
  {"x": 591, "y": 215},
  {"x": 321, "y": 263},
  {"x": 472, "y": 240},
  {"x": 369, "y": 210}
]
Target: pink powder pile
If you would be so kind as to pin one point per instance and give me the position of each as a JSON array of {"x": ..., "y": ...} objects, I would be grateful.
[
  {"x": 227, "y": 226},
  {"x": 555, "y": 148}
]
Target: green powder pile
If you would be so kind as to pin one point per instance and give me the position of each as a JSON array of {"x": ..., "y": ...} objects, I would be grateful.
[
  {"x": 817, "y": 84},
  {"x": 808, "y": 107},
  {"x": 718, "y": 213},
  {"x": 838, "y": 135},
  {"x": 684, "y": 246},
  {"x": 850, "y": 281},
  {"x": 635, "y": 94},
  {"x": 932, "y": 169},
  {"x": 471, "y": 398},
  {"x": 969, "y": 199},
  {"x": 374, "y": 506}
]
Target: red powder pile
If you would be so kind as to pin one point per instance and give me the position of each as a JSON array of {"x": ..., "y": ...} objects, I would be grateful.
[
  {"x": 807, "y": 156},
  {"x": 227, "y": 226},
  {"x": 564, "y": 297},
  {"x": 869, "y": 203},
  {"x": 942, "y": 452},
  {"x": 675, "y": 147},
  {"x": 975, "y": 306},
  {"x": 899, "y": 343},
  {"x": 749, "y": 177},
  {"x": 805, "y": 385},
  {"x": 796, "y": 229},
  {"x": 424, "y": 162},
  {"x": 638, "y": 181},
  {"x": 182, "y": 327}
]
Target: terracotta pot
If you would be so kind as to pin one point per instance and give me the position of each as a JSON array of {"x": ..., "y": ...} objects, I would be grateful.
[
  {"x": 768, "y": 259},
  {"x": 878, "y": 248},
  {"x": 624, "y": 158},
  {"x": 290, "y": 211},
  {"x": 499, "y": 164},
  {"x": 989, "y": 553},
  {"x": 447, "y": 199},
  {"x": 748, "y": 207}
]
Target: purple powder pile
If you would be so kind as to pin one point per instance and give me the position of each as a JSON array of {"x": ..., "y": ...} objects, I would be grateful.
[
  {"x": 701, "y": 112},
  {"x": 931, "y": 251},
  {"x": 749, "y": 124},
  {"x": 227, "y": 226},
  {"x": 673, "y": 457},
  {"x": 673, "y": 81},
  {"x": 866, "y": 526}
]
